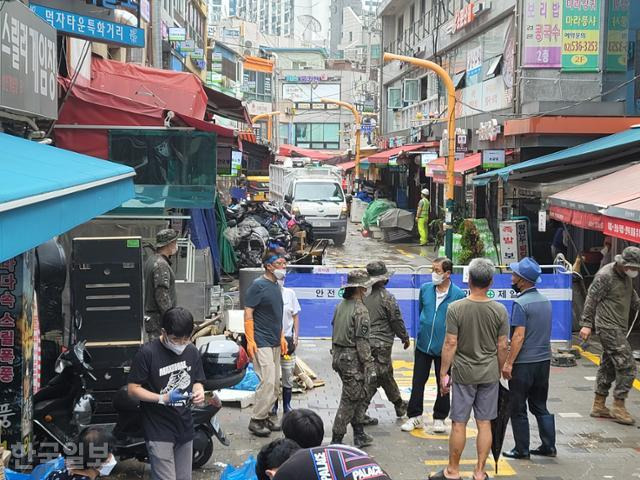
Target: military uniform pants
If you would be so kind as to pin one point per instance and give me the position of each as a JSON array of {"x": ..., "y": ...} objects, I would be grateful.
[
  {"x": 616, "y": 363},
  {"x": 354, "y": 399},
  {"x": 384, "y": 372},
  {"x": 152, "y": 326}
]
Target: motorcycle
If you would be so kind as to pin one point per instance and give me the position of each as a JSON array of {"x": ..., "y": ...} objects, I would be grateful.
[{"x": 64, "y": 407}]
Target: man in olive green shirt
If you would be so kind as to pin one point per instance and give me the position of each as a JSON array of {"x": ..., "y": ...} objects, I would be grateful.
[
  {"x": 609, "y": 302},
  {"x": 476, "y": 345}
]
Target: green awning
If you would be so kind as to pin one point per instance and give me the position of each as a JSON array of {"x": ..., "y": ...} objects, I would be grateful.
[{"x": 597, "y": 154}]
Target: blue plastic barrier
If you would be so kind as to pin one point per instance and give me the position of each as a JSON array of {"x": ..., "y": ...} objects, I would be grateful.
[{"x": 318, "y": 296}]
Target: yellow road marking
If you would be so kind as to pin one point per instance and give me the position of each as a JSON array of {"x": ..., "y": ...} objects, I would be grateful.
[
  {"x": 420, "y": 433},
  {"x": 504, "y": 469},
  {"x": 592, "y": 357},
  {"x": 405, "y": 253}
]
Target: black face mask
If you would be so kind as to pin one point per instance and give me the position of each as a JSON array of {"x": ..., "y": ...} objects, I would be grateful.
[{"x": 515, "y": 287}]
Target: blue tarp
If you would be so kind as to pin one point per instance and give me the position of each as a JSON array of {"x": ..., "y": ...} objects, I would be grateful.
[
  {"x": 47, "y": 191},
  {"x": 600, "y": 146},
  {"x": 318, "y": 294}
]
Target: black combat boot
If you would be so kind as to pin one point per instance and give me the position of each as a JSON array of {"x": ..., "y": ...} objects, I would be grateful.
[
  {"x": 336, "y": 439},
  {"x": 360, "y": 438},
  {"x": 286, "y": 400}
]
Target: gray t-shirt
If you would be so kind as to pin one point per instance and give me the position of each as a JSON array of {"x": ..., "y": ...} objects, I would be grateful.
[
  {"x": 532, "y": 310},
  {"x": 477, "y": 326},
  {"x": 265, "y": 297}
]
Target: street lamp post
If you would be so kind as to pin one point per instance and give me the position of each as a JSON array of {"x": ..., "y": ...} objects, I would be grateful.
[
  {"x": 451, "y": 94},
  {"x": 269, "y": 116},
  {"x": 357, "y": 119}
]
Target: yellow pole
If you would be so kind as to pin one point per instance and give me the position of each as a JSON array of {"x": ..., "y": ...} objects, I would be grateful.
[
  {"x": 451, "y": 94},
  {"x": 357, "y": 119},
  {"x": 269, "y": 116}
]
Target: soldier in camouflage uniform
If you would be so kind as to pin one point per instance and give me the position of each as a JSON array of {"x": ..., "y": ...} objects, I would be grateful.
[
  {"x": 386, "y": 324},
  {"x": 352, "y": 358},
  {"x": 607, "y": 307},
  {"x": 159, "y": 282}
]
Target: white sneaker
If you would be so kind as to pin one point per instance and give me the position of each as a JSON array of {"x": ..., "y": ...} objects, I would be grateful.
[
  {"x": 412, "y": 424},
  {"x": 439, "y": 426}
]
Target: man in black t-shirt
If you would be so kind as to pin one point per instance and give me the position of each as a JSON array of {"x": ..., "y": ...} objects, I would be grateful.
[
  {"x": 164, "y": 374},
  {"x": 334, "y": 462}
]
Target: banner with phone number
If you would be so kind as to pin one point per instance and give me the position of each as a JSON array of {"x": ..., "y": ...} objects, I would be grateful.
[{"x": 581, "y": 35}]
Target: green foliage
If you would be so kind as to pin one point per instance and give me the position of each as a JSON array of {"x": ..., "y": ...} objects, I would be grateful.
[{"x": 471, "y": 243}]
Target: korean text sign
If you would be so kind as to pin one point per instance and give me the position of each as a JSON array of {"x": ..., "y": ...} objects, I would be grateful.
[
  {"x": 16, "y": 353},
  {"x": 543, "y": 34},
  {"x": 28, "y": 62},
  {"x": 91, "y": 28},
  {"x": 581, "y": 35}
]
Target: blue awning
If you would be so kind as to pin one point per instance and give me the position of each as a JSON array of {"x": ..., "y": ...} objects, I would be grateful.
[
  {"x": 599, "y": 151},
  {"x": 47, "y": 191}
]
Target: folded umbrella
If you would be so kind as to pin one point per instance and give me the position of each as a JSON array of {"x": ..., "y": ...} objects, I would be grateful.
[{"x": 499, "y": 424}]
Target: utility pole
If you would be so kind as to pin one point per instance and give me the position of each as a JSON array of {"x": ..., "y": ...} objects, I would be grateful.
[{"x": 156, "y": 33}]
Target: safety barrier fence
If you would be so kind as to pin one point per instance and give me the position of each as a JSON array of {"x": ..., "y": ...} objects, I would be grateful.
[{"x": 318, "y": 290}]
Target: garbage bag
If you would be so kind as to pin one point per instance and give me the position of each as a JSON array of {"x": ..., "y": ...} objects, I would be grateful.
[
  {"x": 250, "y": 381},
  {"x": 396, "y": 218},
  {"x": 373, "y": 211},
  {"x": 41, "y": 472},
  {"x": 246, "y": 471}
]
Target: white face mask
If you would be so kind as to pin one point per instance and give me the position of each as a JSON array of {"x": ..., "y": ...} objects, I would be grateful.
[
  {"x": 631, "y": 273},
  {"x": 174, "y": 347},
  {"x": 107, "y": 467},
  {"x": 604, "y": 250},
  {"x": 368, "y": 291},
  {"x": 437, "y": 278},
  {"x": 280, "y": 273}
]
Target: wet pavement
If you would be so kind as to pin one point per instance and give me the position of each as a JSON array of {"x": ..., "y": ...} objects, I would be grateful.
[{"x": 587, "y": 448}]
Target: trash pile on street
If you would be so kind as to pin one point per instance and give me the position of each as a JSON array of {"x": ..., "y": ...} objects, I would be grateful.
[{"x": 257, "y": 227}]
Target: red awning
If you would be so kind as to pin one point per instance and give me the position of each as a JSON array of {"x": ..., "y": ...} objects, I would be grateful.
[
  {"x": 177, "y": 91},
  {"x": 384, "y": 156},
  {"x": 461, "y": 166},
  {"x": 610, "y": 204},
  {"x": 346, "y": 166},
  {"x": 206, "y": 126},
  {"x": 293, "y": 151}
]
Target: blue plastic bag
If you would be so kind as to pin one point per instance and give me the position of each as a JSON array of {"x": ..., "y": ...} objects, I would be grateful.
[
  {"x": 250, "y": 381},
  {"x": 246, "y": 471},
  {"x": 41, "y": 472}
]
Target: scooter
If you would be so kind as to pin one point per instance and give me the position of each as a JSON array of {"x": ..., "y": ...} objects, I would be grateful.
[{"x": 64, "y": 407}]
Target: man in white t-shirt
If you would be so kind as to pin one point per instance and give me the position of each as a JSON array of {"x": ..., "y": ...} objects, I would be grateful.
[{"x": 290, "y": 329}]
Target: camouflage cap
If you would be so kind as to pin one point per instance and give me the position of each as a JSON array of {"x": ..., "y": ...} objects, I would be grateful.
[
  {"x": 165, "y": 237},
  {"x": 630, "y": 257},
  {"x": 358, "y": 278},
  {"x": 378, "y": 271}
]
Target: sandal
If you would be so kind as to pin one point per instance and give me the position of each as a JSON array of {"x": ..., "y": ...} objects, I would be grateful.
[
  {"x": 441, "y": 476},
  {"x": 486, "y": 476}
]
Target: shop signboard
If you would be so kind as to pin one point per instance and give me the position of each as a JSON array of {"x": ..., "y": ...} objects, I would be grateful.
[
  {"x": 427, "y": 157},
  {"x": 236, "y": 162},
  {"x": 493, "y": 159},
  {"x": 197, "y": 54},
  {"x": 617, "y": 35},
  {"x": 393, "y": 161},
  {"x": 16, "y": 356},
  {"x": 145, "y": 10},
  {"x": 514, "y": 245},
  {"x": 474, "y": 64},
  {"x": 188, "y": 46},
  {"x": 581, "y": 35},
  {"x": 622, "y": 228},
  {"x": 440, "y": 176},
  {"x": 28, "y": 62},
  {"x": 96, "y": 29},
  {"x": 177, "y": 34},
  {"x": 542, "y": 34}
]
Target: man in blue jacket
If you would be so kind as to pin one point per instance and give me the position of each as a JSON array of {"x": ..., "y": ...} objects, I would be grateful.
[{"x": 435, "y": 298}]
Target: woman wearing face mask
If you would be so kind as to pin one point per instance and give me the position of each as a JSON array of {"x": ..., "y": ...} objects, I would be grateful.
[
  {"x": 164, "y": 374},
  {"x": 609, "y": 302},
  {"x": 263, "y": 309},
  {"x": 435, "y": 298},
  {"x": 93, "y": 459}
]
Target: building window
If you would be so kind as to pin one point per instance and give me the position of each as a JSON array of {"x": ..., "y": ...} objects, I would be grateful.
[
  {"x": 257, "y": 86},
  {"x": 394, "y": 98},
  {"x": 351, "y": 36},
  {"x": 400, "y": 31},
  {"x": 323, "y": 136}
]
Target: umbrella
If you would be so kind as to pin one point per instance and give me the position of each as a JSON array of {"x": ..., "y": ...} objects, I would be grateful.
[{"x": 499, "y": 424}]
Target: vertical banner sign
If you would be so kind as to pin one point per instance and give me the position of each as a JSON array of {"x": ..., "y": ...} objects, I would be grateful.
[
  {"x": 617, "y": 35},
  {"x": 580, "y": 35},
  {"x": 16, "y": 356},
  {"x": 542, "y": 33}
]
